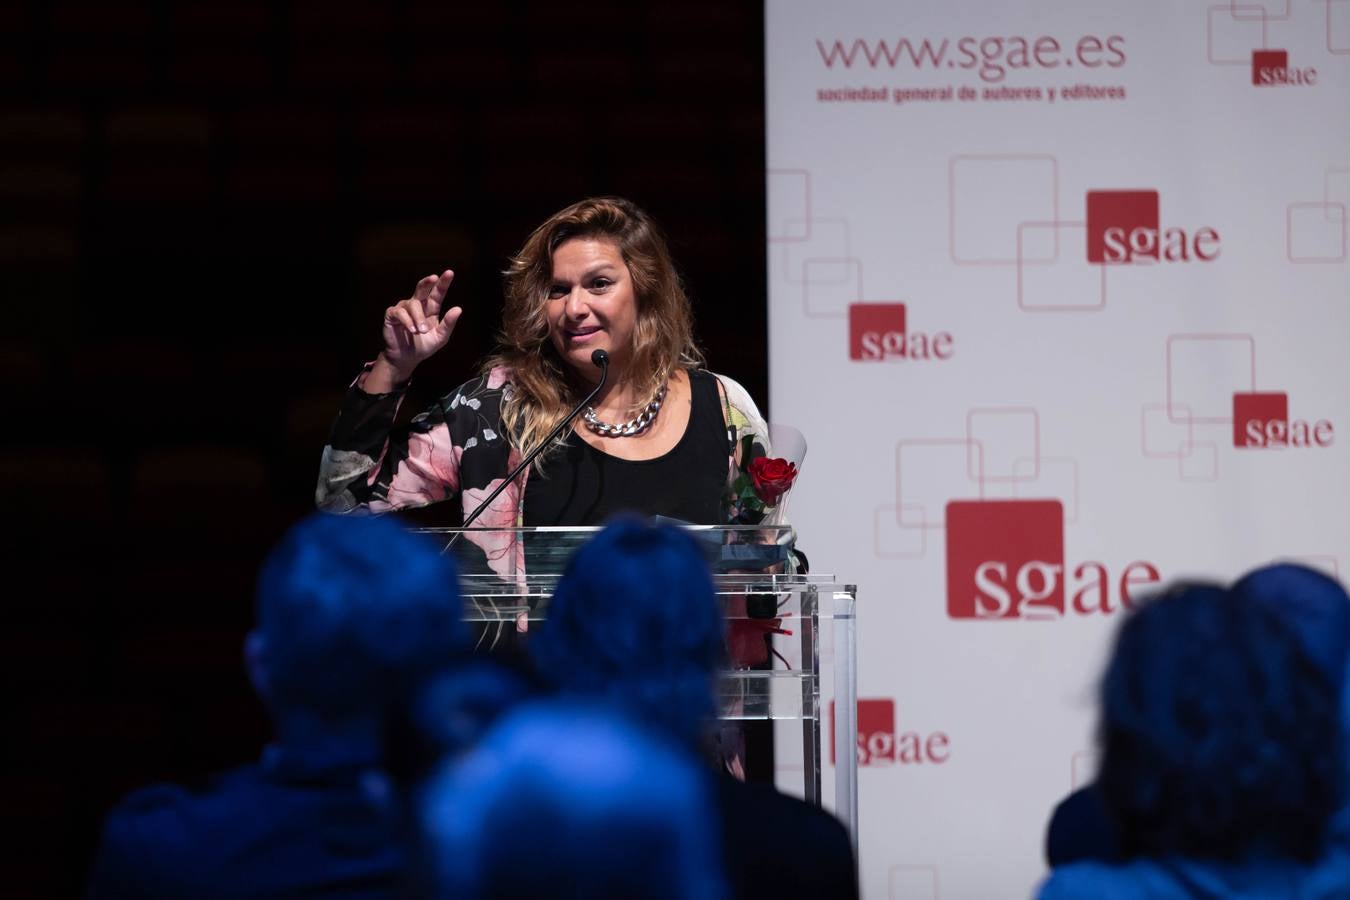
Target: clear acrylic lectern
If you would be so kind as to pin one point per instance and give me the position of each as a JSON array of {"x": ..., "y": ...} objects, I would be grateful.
[{"x": 791, "y": 636}]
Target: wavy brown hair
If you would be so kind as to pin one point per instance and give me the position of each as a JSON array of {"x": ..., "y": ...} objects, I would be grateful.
[{"x": 543, "y": 390}]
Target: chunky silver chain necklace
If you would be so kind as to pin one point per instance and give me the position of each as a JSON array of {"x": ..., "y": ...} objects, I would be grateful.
[{"x": 625, "y": 429}]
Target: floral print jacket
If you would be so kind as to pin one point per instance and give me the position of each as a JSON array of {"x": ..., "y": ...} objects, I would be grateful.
[{"x": 456, "y": 448}]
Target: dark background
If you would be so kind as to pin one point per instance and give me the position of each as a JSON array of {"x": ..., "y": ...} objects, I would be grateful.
[{"x": 204, "y": 209}]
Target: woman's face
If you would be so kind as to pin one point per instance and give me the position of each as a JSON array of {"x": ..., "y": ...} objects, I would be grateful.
[{"x": 590, "y": 304}]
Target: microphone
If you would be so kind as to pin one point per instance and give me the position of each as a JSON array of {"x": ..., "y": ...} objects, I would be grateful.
[{"x": 599, "y": 359}]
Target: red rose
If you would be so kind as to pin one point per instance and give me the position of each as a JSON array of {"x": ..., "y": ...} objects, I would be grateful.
[{"x": 771, "y": 478}]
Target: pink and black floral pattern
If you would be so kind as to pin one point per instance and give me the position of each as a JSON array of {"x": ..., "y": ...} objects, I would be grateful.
[{"x": 456, "y": 448}]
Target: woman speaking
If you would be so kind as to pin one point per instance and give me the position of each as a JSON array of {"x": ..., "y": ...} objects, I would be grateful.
[{"x": 663, "y": 436}]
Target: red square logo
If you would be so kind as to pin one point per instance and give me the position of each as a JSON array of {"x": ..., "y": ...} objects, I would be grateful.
[
  {"x": 1005, "y": 559},
  {"x": 1268, "y": 61},
  {"x": 875, "y": 330},
  {"x": 1252, "y": 418},
  {"x": 876, "y": 732},
  {"x": 1113, "y": 217}
]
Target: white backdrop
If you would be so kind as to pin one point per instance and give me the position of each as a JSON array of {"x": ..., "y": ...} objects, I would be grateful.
[{"x": 1061, "y": 300}]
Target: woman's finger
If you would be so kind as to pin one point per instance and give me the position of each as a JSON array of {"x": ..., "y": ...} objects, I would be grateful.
[
  {"x": 423, "y": 288},
  {"x": 438, "y": 291},
  {"x": 450, "y": 318},
  {"x": 419, "y": 318},
  {"x": 401, "y": 315}
]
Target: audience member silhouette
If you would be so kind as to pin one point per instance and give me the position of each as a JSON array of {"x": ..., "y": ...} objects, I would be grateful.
[
  {"x": 635, "y": 623},
  {"x": 1315, "y": 609},
  {"x": 564, "y": 800},
  {"x": 351, "y": 614},
  {"x": 448, "y": 715},
  {"x": 1222, "y": 746},
  {"x": 1081, "y": 829}
]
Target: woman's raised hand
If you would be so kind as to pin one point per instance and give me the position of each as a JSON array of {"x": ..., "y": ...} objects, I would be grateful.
[{"x": 414, "y": 329}]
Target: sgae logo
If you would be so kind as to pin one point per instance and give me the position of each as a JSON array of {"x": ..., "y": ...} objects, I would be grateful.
[
  {"x": 1123, "y": 227},
  {"x": 1005, "y": 560},
  {"x": 879, "y": 331},
  {"x": 879, "y": 744},
  {"x": 1270, "y": 68},
  {"x": 1262, "y": 420}
]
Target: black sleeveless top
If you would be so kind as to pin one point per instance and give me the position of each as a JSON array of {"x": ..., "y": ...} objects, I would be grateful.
[{"x": 581, "y": 485}]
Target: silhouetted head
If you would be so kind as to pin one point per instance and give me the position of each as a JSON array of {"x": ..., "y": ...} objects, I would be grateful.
[
  {"x": 1311, "y": 605},
  {"x": 352, "y": 613},
  {"x": 564, "y": 800},
  {"x": 448, "y": 714},
  {"x": 1220, "y": 734},
  {"x": 635, "y": 618}
]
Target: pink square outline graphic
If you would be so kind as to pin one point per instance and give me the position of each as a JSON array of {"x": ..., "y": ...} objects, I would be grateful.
[
  {"x": 850, "y": 263},
  {"x": 805, "y": 177},
  {"x": 1266, "y": 15},
  {"x": 1210, "y": 472},
  {"x": 1230, "y": 10},
  {"x": 812, "y": 262},
  {"x": 901, "y": 505},
  {"x": 952, "y": 163},
  {"x": 1053, "y": 307},
  {"x": 1327, "y": 210},
  {"x": 840, "y": 250},
  {"x": 1187, "y": 447},
  {"x": 879, "y": 514},
  {"x": 971, "y": 437},
  {"x": 1172, "y": 405},
  {"x": 932, "y": 871},
  {"x": 1070, "y": 518},
  {"x": 1327, "y": 176},
  {"x": 1345, "y": 4}
]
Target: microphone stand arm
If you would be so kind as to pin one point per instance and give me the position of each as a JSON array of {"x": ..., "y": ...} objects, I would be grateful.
[{"x": 600, "y": 359}]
